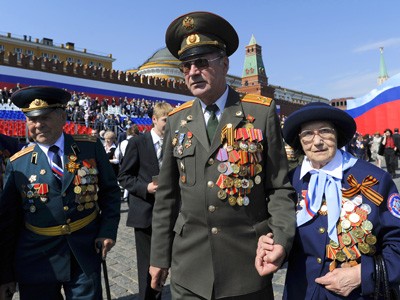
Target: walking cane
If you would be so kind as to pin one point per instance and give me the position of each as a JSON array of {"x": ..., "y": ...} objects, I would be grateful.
[{"x": 105, "y": 273}]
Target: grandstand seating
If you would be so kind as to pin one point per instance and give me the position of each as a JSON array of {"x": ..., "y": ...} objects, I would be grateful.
[{"x": 12, "y": 123}]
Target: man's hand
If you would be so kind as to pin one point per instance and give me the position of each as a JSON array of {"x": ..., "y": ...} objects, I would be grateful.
[
  {"x": 269, "y": 256},
  {"x": 7, "y": 290},
  {"x": 342, "y": 281},
  {"x": 106, "y": 244},
  {"x": 152, "y": 188},
  {"x": 158, "y": 277}
]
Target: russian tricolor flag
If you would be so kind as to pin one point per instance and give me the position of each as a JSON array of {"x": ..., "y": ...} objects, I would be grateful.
[{"x": 379, "y": 109}]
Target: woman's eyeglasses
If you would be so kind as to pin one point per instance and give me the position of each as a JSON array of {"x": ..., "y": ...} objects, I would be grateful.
[
  {"x": 325, "y": 133},
  {"x": 199, "y": 63}
]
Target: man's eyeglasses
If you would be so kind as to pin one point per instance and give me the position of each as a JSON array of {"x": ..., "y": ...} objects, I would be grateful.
[
  {"x": 325, "y": 133},
  {"x": 199, "y": 63}
]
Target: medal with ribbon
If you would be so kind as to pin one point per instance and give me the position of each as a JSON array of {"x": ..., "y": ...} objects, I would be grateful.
[
  {"x": 354, "y": 229},
  {"x": 240, "y": 157}
]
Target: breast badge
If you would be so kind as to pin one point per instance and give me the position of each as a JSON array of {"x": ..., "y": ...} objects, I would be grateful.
[
  {"x": 394, "y": 205},
  {"x": 32, "y": 178}
]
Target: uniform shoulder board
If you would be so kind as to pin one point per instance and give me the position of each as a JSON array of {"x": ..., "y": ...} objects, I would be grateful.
[
  {"x": 22, "y": 152},
  {"x": 181, "y": 107},
  {"x": 84, "y": 138},
  {"x": 257, "y": 99}
]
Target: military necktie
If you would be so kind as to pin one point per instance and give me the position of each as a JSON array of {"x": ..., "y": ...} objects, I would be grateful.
[
  {"x": 56, "y": 165},
  {"x": 212, "y": 123}
]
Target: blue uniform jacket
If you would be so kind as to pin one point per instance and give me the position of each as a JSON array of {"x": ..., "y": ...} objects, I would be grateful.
[
  {"x": 308, "y": 260},
  {"x": 39, "y": 258}
]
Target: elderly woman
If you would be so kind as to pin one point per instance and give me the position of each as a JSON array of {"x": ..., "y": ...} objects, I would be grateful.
[{"x": 347, "y": 240}]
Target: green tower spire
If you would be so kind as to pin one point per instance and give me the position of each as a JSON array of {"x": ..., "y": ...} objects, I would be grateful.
[
  {"x": 253, "y": 63},
  {"x": 383, "y": 75}
]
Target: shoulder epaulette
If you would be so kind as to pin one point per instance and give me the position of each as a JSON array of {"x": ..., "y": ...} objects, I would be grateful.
[
  {"x": 84, "y": 138},
  {"x": 22, "y": 152},
  {"x": 257, "y": 99},
  {"x": 181, "y": 107}
]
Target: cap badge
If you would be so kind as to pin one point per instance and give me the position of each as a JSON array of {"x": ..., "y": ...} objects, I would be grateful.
[
  {"x": 193, "y": 39},
  {"x": 188, "y": 23},
  {"x": 38, "y": 103}
]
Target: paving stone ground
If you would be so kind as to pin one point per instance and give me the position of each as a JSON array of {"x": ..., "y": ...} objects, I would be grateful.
[
  {"x": 121, "y": 263},
  {"x": 122, "y": 272}
]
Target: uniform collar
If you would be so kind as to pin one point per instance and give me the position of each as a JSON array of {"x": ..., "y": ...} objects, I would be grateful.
[
  {"x": 59, "y": 143},
  {"x": 220, "y": 102}
]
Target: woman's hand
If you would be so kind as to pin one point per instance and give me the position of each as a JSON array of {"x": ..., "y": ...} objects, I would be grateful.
[
  {"x": 342, "y": 281},
  {"x": 269, "y": 256}
]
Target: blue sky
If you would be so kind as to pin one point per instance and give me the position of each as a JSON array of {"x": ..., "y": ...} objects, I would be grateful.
[{"x": 329, "y": 48}]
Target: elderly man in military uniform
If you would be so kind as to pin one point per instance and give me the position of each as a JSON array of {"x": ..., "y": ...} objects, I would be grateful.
[
  {"x": 60, "y": 199},
  {"x": 223, "y": 181}
]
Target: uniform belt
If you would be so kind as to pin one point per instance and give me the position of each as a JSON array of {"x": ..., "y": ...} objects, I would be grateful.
[{"x": 63, "y": 229}]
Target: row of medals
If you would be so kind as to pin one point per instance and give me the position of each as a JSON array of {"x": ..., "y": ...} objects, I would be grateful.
[
  {"x": 86, "y": 187},
  {"x": 240, "y": 163},
  {"x": 354, "y": 234},
  {"x": 235, "y": 180},
  {"x": 37, "y": 190}
]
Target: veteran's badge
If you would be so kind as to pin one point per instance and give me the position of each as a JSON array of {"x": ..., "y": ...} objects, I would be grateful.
[{"x": 394, "y": 205}]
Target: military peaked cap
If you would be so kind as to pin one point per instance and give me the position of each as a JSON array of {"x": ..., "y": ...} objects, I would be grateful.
[
  {"x": 199, "y": 33},
  {"x": 35, "y": 101}
]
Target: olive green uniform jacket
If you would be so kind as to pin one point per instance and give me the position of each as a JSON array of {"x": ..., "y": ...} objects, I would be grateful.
[{"x": 208, "y": 243}]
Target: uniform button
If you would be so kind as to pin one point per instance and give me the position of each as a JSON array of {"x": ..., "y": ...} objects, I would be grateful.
[
  {"x": 66, "y": 208},
  {"x": 321, "y": 230},
  {"x": 211, "y": 208},
  {"x": 64, "y": 194},
  {"x": 214, "y": 230},
  {"x": 319, "y": 260},
  {"x": 211, "y": 161},
  {"x": 68, "y": 221},
  {"x": 210, "y": 184}
]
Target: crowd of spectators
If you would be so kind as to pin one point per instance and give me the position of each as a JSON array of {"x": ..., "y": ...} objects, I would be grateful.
[
  {"x": 6, "y": 93},
  {"x": 372, "y": 148},
  {"x": 107, "y": 114},
  {"x": 114, "y": 114}
]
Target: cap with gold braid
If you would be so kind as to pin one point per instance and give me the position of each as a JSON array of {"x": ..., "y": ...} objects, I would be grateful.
[
  {"x": 199, "y": 33},
  {"x": 36, "y": 101}
]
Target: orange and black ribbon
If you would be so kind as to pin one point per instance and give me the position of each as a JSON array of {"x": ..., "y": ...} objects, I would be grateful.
[{"x": 364, "y": 188}]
